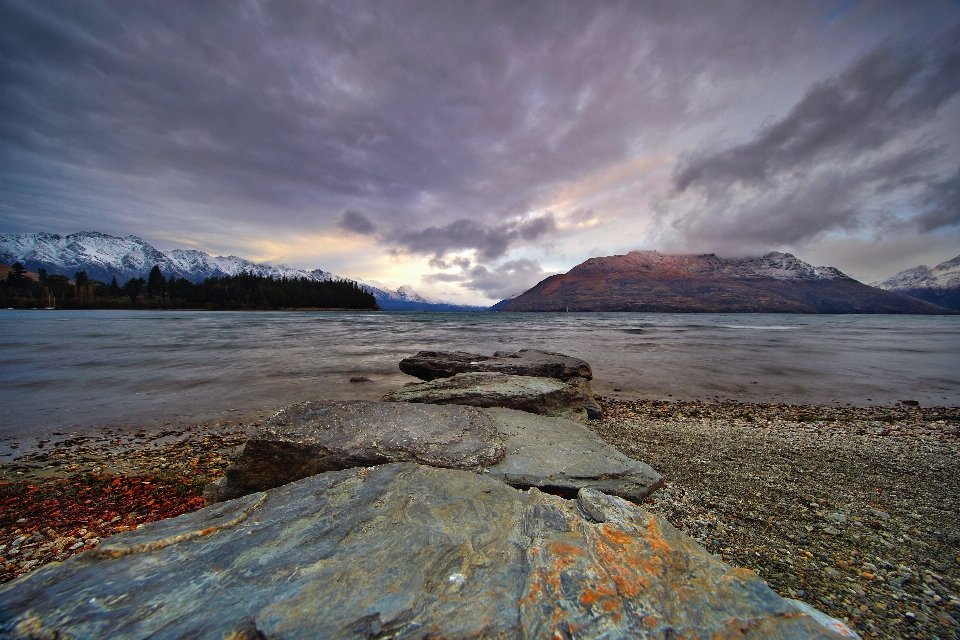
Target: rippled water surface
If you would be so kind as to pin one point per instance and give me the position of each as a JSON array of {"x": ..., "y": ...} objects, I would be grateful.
[{"x": 62, "y": 369}]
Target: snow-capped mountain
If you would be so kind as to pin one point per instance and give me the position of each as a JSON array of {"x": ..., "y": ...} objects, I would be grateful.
[
  {"x": 104, "y": 257},
  {"x": 945, "y": 275},
  {"x": 406, "y": 299},
  {"x": 776, "y": 265},
  {"x": 785, "y": 266},
  {"x": 940, "y": 285},
  {"x": 649, "y": 281}
]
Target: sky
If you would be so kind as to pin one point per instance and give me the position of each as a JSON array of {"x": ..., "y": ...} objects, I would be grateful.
[{"x": 471, "y": 149}]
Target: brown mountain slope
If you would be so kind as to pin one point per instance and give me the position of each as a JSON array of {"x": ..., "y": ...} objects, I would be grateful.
[{"x": 650, "y": 281}]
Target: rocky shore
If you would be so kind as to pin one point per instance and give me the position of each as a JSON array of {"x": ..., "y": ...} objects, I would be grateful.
[
  {"x": 853, "y": 510},
  {"x": 64, "y": 495}
]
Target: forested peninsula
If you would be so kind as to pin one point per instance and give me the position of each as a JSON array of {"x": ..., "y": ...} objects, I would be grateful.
[{"x": 20, "y": 289}]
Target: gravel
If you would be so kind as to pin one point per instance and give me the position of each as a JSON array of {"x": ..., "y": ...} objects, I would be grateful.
[
  {"x": 63, "y": 496},
  {"x": 853, "y": 510}
]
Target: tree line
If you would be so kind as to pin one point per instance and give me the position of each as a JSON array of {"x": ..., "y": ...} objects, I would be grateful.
[{"x": 243, "y": 291}]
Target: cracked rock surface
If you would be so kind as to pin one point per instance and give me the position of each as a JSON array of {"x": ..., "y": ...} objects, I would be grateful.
[
  {"x": 312, "y": 437},
  {"x": 543, "y": 396},
  {"x": 401, "y": 550},
  {"x": 518, "y": 448}
]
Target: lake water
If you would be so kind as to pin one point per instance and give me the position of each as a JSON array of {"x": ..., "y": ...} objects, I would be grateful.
[{"x": 63, "y": 370}]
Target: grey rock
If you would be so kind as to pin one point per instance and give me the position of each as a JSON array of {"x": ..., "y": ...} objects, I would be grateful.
[
  {"x": 515, "y": 447},
  {"x": 405, "y": 551},
  {"x": 831, "y": 623},
  {"x": 430, "y": 365},
  {"x": 312, "y": 437},
  {"x": 560, "y": 456},
  {"x": 590, "y": 404},
  {"x": 543, "y": 396}
]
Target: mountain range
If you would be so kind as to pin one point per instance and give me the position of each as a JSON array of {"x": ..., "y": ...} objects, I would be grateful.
[
  {"x": 651, "y": 281},
  {"x": 637, "y": 281},
  {"x": 104, "y": 257},
  {"x": 940, "y": 285}
]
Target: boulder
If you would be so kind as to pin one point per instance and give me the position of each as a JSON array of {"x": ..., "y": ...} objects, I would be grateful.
[
  {"x": 543, "y": 396},
  {"x": 516, "y": 447},
  {"x": 312, "y": 437},
  {"x": 562, "y": 457},
  {"x": 401, "y": 550},
  {"x": 430, "y": 365}
]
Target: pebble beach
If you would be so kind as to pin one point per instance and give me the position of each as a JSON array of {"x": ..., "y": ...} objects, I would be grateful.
[{"x": 852, "y": 509}]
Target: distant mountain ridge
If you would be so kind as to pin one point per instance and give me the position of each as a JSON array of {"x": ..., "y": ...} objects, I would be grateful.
[
  {"x": 651, "y": 281},
  {"x": 940, "y": 285},
  {"x": 104, "y": 257}
]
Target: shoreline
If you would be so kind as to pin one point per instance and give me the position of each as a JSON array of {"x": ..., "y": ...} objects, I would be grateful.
[
  {"x": 63, "y": 496},
  {"x": 852, "y": 509}
]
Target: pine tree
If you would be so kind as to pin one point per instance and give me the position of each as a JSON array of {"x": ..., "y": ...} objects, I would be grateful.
[
  {"x": 156, "y": 283},
  {"x": 17, "y": 276},
  {"x": 134, "y": 287}
]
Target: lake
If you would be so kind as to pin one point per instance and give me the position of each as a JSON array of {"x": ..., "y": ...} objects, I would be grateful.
[{"x": 72, "y": 370}]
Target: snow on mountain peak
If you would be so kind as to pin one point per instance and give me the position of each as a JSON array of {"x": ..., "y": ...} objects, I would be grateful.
[
  {"x": 104, "y": 257},
  {"x": 786, "y": 266},
  {"x": 945, "y": 275}
]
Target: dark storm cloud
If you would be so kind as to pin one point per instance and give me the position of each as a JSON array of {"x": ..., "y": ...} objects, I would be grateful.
[
  {"x": 497, "y": 282},
  {"x": 490, "y": 242},
  {"x": 943, "y": 204},
  {"x": 310, "y": 108},
  {"x": 356, "y": 222},
  {"x": 848, "y": 156},
  {"x": 439, "y": 263},
  {"x": 435, "y": 119}
]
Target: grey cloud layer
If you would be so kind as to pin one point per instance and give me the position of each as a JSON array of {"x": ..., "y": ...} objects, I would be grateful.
[
  {"x": 415, "y": 113},
  {"x": 857, "y": 152},
  {"x": 490, "y": 242},
  {"x": 433, "y": 128}
]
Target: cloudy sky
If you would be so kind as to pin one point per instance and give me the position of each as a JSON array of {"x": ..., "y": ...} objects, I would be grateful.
[{"x": 471, "y": 149}]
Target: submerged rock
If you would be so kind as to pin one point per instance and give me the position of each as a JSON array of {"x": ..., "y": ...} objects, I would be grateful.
[
  {"x": 430, "y": 365},
  {"x": 401, "y": 550},
  {"x": 519, "y": 448},
  {"x": 543, "y": 396}
]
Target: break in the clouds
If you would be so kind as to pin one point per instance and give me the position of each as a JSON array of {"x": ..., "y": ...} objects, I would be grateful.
[
  {"x": 455, "y": 146},
  {"x": 503, "y": 281}
]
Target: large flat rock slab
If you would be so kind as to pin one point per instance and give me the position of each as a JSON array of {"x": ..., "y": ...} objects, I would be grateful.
[
  {"x": 405, "y": 551},
  {"x": 560, "y": 456},
  {"x": 312, "y": 437},
  {"x": 430, "y": 365},
  {"x": 518, "y": 448},
  {"x": 543, "y": 396}
]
